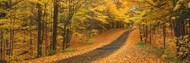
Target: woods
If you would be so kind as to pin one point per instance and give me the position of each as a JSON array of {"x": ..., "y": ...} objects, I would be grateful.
[
  {"x": 174, "y": 20},
  {"x": 31, "y": 29},
  {"x": 35, "y": 28}
]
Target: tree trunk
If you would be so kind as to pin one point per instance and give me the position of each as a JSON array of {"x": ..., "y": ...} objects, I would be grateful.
[
  {"x": 46, "y": 30},
  {"x": 150, "y": 34},
  {"x": 55, "y": 22},
  {"x": 39, "y": 50},
  {"x": 31, "y": 45},
  {"x": 140, "y": 32},
  {"x": 189, "y": 28},
  {"x": 146, "y": 33},
  {"x": 164, "y": 34},
  {"x": 1, "y": 49},
  {"x": 64, "y": 40},
  {"x": 67, "y": 35}
]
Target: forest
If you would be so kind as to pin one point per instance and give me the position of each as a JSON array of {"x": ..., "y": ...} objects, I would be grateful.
[{"x": 95, "y": 31}]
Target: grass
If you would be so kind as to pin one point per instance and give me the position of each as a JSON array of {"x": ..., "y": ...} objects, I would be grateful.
[
  {"x": 68, "y": 50},
  {"x": 169, "y": 57},
  {"x": 142, "y": 44},
  {"x": 89, "y": 43},
  {"x": 153, "y": 49},
  {"x": 51, "y": 52}
]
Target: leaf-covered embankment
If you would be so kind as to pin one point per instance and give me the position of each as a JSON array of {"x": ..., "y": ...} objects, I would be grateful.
[
  {"x": 131, "y": 52},
  {"x": 100, "y": 40}
]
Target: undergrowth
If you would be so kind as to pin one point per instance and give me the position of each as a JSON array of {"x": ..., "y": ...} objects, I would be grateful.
[
  {"x": 68, "y": 50},
  {"x": 142, "y": 44}
]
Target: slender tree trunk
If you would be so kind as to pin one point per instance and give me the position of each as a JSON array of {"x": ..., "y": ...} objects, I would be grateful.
[
  {"x": 46, "y": 41},
  {"x": 177, "y": 34},
  {"x": 55, "y": 22},
  {"x": 30, "y": 32},
  {"x": 182, "y": 33},
  {"x": 10, "y": 44},
  {"x": 164, "y": 34},
  {"x": 140, "y": 32},
  {"x": 67, "y": 35},
  {"x": 46, "y": 31},
  {"x": 143, "y": 31},
  {"x": 150, "y": 34},
  {"x": 7, "y": 46},
  {"x": 13, "y": 33},
  {"x": 146, "y": 33},
  {"x": 64, "y": 38},
  {"x": 4, "y": 51},
  {"x": 1, "y": 50},
  {"x": 51, "y": 40},
  {"x": 43, "y": 28},
  {"x": 39, "y": 50}
]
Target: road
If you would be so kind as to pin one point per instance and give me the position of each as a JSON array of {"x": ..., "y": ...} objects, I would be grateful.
[{"x": 98, "y": 53}]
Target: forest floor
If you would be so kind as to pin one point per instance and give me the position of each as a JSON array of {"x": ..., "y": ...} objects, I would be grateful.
[
  {"x": 115, "y": 47},
  {"x": 132, "y": 52}
]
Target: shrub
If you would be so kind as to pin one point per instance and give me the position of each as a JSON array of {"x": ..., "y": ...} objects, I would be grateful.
[
  {"x": 142, "y": 44},
  {"x": 68, "y": 50},
  {"x": 51, "y": 52},
  {"x": 89, "y": 43}
]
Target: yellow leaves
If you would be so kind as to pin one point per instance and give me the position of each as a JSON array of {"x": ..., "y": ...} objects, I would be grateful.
[
  {"x": 101, "y": 18},
  {"x": 182, "y": 48},
  {"x": 167, "y": 24},
  {"x": 88, "y": 16},
  {"x": 164, "y": 56},
  {"x": 186, "y": 36},
  {"x": 63, "y": 4},
  {"x": 59, "y": 37},
  {"x": 99, "y": 8},
  {"x": 143, "y": 23},
  {"x": 173, "y": 18},
  {"x": 189, "y": 5},
  {"x": 178, "y": 5},
  {"x": 127, "y": 21},
  {"x": 94, "y": 3},
  {"x": 34, "y": 1}
]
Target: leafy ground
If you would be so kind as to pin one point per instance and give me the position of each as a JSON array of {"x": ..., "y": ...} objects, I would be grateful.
[
  {"x": 100, "y": 40},
  {"x": 125, "y": 52},
  {"x": 132, "y": 52}
]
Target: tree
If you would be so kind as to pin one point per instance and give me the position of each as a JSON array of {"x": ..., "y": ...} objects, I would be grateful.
[
  {"x": 39, "y": 30},
  {"x": 55, "y": 22}
]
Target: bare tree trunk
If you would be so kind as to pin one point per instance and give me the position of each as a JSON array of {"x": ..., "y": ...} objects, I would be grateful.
[
  {"x": 43, "y": 30},
  {"x": 30, "y": 32},
  {"x": 140, "y": 32},
  {"x": 46, "y": 30},
  {"x": 146, "y": 33},
  {"x": 55, "y": 22},
  {"x": 1, "y": 49},
  {"x": 39, "y": 50},
  {"x": 64, "y": 41},
  {"x": 4, "y": 51},
  {"x": 67, "y": 35},
  {"x": 164, "y": 34},
  {"x": 150, "y": 34}
]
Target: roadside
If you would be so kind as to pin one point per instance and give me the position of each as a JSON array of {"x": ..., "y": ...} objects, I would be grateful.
[
  {"x": 100, "y": 40},
  {"x": 132, "y": 53}
]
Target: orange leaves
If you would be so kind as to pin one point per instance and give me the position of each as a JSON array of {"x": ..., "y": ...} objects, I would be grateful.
[
  {"x": 100, "y": 40},
  {"x": 181, "y": 12},
  {"x": 132, "y": 53}
]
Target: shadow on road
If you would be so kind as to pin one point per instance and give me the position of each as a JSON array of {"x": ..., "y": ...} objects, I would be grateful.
[{"x": 99, "y": 52}]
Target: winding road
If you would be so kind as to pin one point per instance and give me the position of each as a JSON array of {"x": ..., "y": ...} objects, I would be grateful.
[{"x": 99, "y": 52}]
